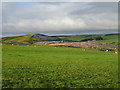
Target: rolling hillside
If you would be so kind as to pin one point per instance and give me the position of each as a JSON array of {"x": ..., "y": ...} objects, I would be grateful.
[
  {"x": 28, "y": 39},
  {"x": 108, "y": 38},
  {"x": 31, "y": 39}
]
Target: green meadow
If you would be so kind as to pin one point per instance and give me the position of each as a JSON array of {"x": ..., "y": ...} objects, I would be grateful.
[
  {"x": 106, "y": 38},
  {"x": 58, "y": 67},
  {"x": 28, "y": 39}
]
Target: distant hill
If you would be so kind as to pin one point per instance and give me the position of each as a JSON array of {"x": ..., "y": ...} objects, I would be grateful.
[
  {"x": 102, "y": 38},
  {"x": 28, "y": 39},
  {"x": 45, "y": 38},
  {"x": 33, "y": 38}
]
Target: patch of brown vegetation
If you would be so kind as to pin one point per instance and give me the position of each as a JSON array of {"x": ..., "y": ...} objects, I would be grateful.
[{"x": 88, "y": 45}]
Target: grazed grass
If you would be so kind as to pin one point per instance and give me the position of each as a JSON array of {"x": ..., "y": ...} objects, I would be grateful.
[
  {"x": 109, "y": 39},
  {"x": 50, "y": 67},
  {"x": 106, "y": 38},
  {"x": 28, "y": 39},
  {"x": 74, "y": 38}
]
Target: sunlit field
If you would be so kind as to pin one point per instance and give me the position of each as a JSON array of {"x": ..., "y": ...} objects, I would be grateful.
[{"x": 58, "y": 67}]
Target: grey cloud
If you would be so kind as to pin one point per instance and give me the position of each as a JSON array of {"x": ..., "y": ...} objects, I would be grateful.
[
  {"x": 97, "y": 8},
  {"x": 39, "y": 17},
  {"x": 60, "y": 1}
]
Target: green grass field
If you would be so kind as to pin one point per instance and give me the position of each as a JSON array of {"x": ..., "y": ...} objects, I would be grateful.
[
  {"x": 109, "y": 39},
  {"x": 74, "y": 38},
  {"x": 62, "y": 67},
  {"x": 106, "y": 39},
  {"x": 27, "y": 39}
]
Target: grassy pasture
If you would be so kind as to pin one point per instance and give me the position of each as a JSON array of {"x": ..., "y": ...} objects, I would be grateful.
[
  {"x": 62, "y": 67},
  {"x": 109, "y": 39},
  {"x": 106, "y": 38},
  {"x": 27, "y": 39},
  {"x": 74, "y": 38}
]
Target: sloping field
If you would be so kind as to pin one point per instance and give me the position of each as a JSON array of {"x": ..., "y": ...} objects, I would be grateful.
[
  {"x": 33, "y": 38},
  {"x": 113, "y": 38},
  {"x": 62, "y": 67},
  {"x": 109, "y": 39},
  {"x": 28, "y": 39}
]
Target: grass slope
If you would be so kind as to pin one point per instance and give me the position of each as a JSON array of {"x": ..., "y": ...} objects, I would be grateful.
[
  {"x": 50, "y": 67},
  {"x": 106, "y": 38},
  {"x": 22, "y": 39},
  {"x": 74, "y": 38},
  {"x": 28, "y": 39},
  {"x": 109, "y": 39}
]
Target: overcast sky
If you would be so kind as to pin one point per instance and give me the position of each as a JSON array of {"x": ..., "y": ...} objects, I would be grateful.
[
  {"x": 60, "y": 0},
  {"x": 26, "y": 17}
]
